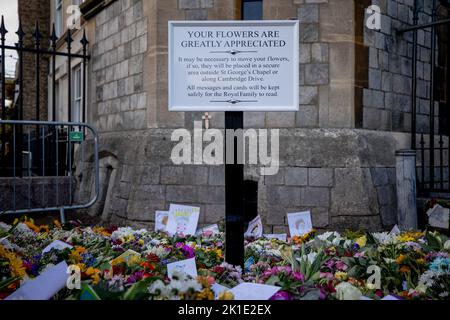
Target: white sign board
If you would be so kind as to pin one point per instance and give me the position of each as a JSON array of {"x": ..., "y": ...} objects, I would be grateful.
[{"x": 234, "y": 65}]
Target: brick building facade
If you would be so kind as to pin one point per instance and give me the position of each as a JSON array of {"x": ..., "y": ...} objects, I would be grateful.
[{"x": 29, "y": 13}]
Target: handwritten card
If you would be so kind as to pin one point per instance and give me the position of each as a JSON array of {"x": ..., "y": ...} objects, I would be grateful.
[
  {"x": 126, "y": 256},
  {"x": 182, "y": 220},
  {"x": 57, "y": 245},
  {"x": 161, "y": 218},
  {"x": 255, "y": 228},
  {"x": 254, "y": 291},
  {"x": 43, "y": 287},
  {"x": 182, "y": 267},
  {"x": 299, "y": 223},
  {"x": 281, "y": 236}
]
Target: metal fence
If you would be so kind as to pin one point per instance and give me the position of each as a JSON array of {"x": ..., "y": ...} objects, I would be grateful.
[
  {"x": 25, "y": 192},
  {"x": 41, "y": 161},
  {"x": 432, "y": 140}
]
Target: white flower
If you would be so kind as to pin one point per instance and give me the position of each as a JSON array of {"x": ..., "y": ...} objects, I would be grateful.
[
  {"x": 310, "y": 257},
  {"x": 447, "y": 245},
  {"x": 385, "y": 238},
  {"x": 345, "y": 291},
  {"x": 4, "y": 226},
  {"x": 159, "y": 287}
]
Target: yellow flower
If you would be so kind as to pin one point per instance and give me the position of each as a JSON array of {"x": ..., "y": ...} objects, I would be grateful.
[
  {"x": 94, "y": 274},
  {"x": 205, "y": 294},
  {"x": 409, "y": 236},
  {"x": 57, "y": 224},
  {"x": 421, "y": 261},
  {"x": 226, "y": 295},
  {"x": 342, "y": 276},
  {"x": 15, "y": 263},
  {"x": 117, "y": 260},
  {"x": 75, "y": 255},
  {"x": 141, "y": 242},
  {"x": 361, "y": 241}
]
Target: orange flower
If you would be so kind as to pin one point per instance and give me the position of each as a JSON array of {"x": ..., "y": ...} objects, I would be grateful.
[
  {"x": 400, "y": 259},
  {"x": 404, "y": 269}
]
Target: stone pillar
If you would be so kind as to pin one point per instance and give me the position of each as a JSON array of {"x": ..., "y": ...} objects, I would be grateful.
[{"x": 406, "y": 189}]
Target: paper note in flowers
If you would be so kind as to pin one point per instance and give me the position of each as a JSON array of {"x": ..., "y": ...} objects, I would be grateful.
[
  {"x": 281, "y": 237},
  {"x": 161, "y": 220},
  {"x": 182, "y": 220},
  {"x": 255, "y": 228},
  {"x": 88, "y": 293},
  {"x": 390, "y": 297},
  {"x": 254, "y": 291},
  {"x": 182, "y": 267},
  {"x": 218, "y": 289},
  {"x": 299, "y": 223},
  {"x": 43, "y": 287},
  {"x": 125, "y": 257},
  {"x": 395, "y": 231},
  {"x": 438, "y": 217},
  {"x": 57, "y": 245},
  {"x": 208, "y": 230}
]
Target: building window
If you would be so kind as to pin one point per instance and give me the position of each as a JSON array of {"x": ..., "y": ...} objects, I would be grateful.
[
  {"x": 77, "y": 94},
  {"x": 58, "y": 18},
  {"x": 252, "y": 9}
]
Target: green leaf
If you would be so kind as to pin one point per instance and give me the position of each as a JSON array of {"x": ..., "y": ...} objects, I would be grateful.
[{"x": 138, "y": 291}]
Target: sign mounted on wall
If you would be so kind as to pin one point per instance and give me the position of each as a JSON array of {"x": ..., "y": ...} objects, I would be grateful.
[{"x": 234, "y": 65}]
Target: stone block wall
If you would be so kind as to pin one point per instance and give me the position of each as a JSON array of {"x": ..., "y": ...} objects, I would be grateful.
[
  {"x": 387, "y": 97},
  {"x": 118, "y": 55}
]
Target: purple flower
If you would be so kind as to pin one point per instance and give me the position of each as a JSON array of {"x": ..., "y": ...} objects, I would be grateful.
[
  {"x": 298, "y": 277},
  {"x": 281, "y": 295},
  {"x": 135, "y": 277},
  {"x": 188, "y": 251}
]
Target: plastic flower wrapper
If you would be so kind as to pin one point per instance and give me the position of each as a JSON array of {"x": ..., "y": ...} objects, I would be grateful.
[{"x": 345, "y": 291}]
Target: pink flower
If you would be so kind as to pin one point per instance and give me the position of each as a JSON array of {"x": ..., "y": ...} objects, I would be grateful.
[
  {"x": 327, "y": 275},
  {"x": 340, "y": 265},
  {"x": 298, "y": 277}
]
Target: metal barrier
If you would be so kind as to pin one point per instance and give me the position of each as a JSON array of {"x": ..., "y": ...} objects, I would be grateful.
[{"x": 25, "y": 176}]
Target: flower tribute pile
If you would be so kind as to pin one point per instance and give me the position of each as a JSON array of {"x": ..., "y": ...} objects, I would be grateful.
[{"x": 347, "y": 266}]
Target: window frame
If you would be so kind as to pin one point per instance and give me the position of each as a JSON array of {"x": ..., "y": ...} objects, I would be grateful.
[
  {"x": 77, "y": 90},
  {"x": 58, "y": 19}
]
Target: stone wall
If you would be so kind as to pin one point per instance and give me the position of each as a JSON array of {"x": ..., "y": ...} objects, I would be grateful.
[{"x": 387, "y": 97}]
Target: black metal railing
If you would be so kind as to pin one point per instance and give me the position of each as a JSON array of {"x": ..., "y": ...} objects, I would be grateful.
[
  {"x": 432, "y": 140},
  {"x": 23, "y": 192},
  {"x": 41, "y": 53}
]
